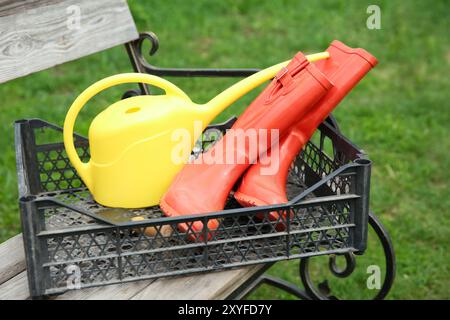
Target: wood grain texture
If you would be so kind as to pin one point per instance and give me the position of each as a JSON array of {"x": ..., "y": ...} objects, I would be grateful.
[
  {"x": 12, "y": 258},
  {"x": 209, "y": 286},
  {"x": 123, "y": 291},
  {"x": 36, "y": 35},
  {"x": 15, "y": 288}
]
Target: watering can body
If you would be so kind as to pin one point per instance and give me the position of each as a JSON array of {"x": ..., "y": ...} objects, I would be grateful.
[
  {"x": 132, "y": 141},
  {"x": 138, "y": 145},
  {"x": 132, "y": 148}
]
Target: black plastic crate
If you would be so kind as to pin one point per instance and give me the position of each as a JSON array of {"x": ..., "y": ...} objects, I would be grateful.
[{"x": 64, "y": 235}]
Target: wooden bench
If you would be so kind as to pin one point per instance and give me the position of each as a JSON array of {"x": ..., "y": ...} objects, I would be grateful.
[{"x": 37, "y": 35}]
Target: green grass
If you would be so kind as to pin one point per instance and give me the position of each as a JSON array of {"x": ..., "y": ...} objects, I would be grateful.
[{"x": 399, "y": 113}]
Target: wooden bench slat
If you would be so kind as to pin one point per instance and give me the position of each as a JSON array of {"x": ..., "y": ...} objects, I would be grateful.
[
  {"x": 122, "y": 291},
  {"x": 207, "y": 286},
  {"x": 15, "y": 288},
  {"x": 37, "y": 35},
  {"x": 12, "y": 258},
  {"x": 215, "y": 285}
]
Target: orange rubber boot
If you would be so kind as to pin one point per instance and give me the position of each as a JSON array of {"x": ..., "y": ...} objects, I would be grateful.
[
  {"x": 345, "y": 67},
  {"x": 204, "y": 184}
]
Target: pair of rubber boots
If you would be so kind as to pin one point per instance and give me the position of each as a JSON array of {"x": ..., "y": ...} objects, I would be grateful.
[{"x": 265, "y": 139}]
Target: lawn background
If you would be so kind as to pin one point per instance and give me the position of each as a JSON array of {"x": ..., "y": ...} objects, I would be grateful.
[{"x": 399, "y": 114}]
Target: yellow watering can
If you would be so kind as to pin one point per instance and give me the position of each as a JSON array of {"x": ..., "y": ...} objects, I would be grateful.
[{"x": 132, "y": 142}]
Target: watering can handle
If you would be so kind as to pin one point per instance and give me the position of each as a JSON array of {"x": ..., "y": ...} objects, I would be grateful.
[{"x": 82, "y": 167}]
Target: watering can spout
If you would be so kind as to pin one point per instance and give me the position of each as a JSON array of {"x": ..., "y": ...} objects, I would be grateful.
[{"x": 239, "y": 89}]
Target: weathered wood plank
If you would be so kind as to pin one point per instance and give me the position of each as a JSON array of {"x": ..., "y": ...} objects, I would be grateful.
[
  {"x": 123, "y": 291},
  {"x": 216, "y": 285},
  {"x": 36, "y": 35},
  {"x": 209, "y": 286},
  {"x": 15, "y": 288},
  {"x": 12, "y": 258}
]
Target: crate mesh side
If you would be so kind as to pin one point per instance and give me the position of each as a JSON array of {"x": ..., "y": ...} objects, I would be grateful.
[
  {"x": 131, "y": 253},
  {"x": 55, "y": 171}
]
